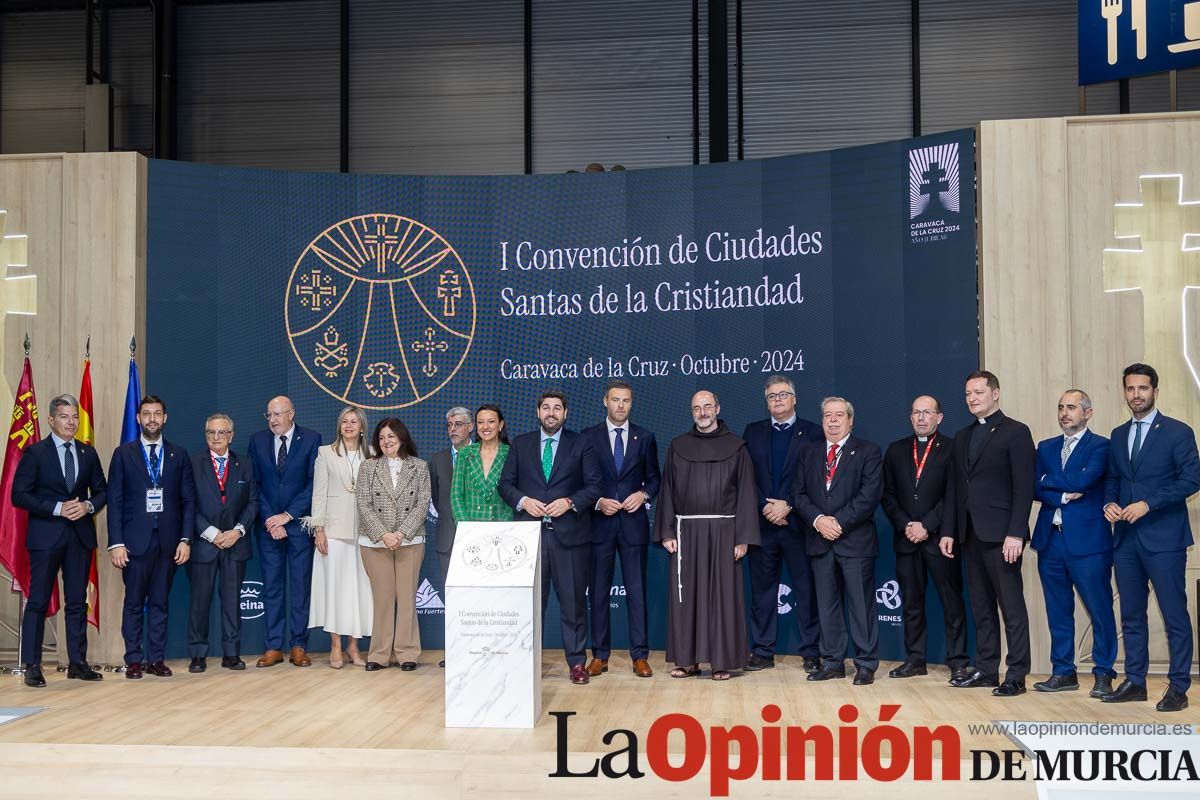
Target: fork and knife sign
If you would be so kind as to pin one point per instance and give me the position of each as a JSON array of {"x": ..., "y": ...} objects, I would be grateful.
[{"x": 1111, "y": 10}]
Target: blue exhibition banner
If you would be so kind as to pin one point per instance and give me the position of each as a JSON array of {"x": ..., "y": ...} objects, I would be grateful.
[
  {"x": 851, "y": 271},
  {"x": 1124, "y": 38}
]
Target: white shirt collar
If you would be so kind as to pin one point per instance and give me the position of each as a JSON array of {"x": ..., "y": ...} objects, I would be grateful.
[
  {"x": 789, "y": 421},
  {"x": 611, "y": 427},
  {"x": 544, "y": 436},
  {"x": 146, "y": 442},
  {"x": 59, "y": 441},
  {"x": 289, "y": 434},
  {"x": 1149, "y": 418},
  {"x": 1077, "y": 435},
  {"x": 212, "y": 454},
  {"x": 840, "y": 444}
]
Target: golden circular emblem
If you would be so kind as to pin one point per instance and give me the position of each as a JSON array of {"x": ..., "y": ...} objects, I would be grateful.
[{"x": 380, "y": 311}]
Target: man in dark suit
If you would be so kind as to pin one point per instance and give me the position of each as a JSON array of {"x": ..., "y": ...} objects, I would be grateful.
[
  {"x": 283, "y": 457},
  {"x": 630, "y": 478},
  {"x": 989, "y": 499},
  {"x": 915, "y": 472},
  {"x": 775, "y": 445},
  {"x": 836, "y": 491},
  {"x": 1153, "y": 468},
  {"x": 1074, "y": 544},
  {"x": 60, "y": 482},
  {"x": 441, "y": 473},
  {"x": 226, "y": 503},
  {"x": 552, "y": 475},
  {"x": 151, "y": 511}
]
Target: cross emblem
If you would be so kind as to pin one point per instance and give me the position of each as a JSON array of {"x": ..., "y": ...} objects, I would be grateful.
[
  {"x": 933, "y": 183},
  {"x": 449, "y": 290},
  {"x": 317, "y": 289},
  {"x": 380, "y": 241},
  {"x": 331, "y": 352},
  {"x": 18, "y": 293},
  {"x": 430, "y": 346},
  {"x": 1160, "y": 237}
]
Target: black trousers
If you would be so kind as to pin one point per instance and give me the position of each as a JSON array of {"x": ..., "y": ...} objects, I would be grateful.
[
  {"x": 913, "y": 571},
  {"x": 74, "y": 560},
  {"x": 991, "y": 581},
  {"x": 567, "y": 569},
  {"x": 225, "y": 575},
  {"x": 837, "y": 577}
]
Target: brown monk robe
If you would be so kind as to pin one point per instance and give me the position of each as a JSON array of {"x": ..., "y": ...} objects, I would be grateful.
[{"x": 706, "y": 508}]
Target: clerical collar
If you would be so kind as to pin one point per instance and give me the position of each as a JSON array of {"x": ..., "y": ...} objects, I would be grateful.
[
  {"x": 922, "y": 438},
  {"x": 993, "y": 417}
]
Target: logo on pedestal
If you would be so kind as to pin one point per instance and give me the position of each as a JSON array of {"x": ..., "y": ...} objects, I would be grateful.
[
  {"x": 427, "y": 600},
  {"x": 251, "y": 600}
]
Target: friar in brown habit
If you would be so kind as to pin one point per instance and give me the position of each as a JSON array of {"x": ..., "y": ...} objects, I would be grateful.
[{"x": 707, "y": 517}]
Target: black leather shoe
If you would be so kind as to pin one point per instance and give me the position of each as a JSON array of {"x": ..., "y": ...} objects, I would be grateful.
[
  {"x": 442, "y": 663},
  {"x": 1058, "y": 683},
  {"x": 232, "y": 662},
  {"x": 973, "y": 680},
  {"x": 863, "y": 677},
  {"x": 909, "y": 669},
  {"x": 828, "y": 673},
  {"x": 408, "y": 666},
  {"x": 1173, "y": 700},
  {"x": 1101, "y": 687},
  {"x": 374, "y": 666},
  {"x": 1127, "y": 692},
  {"x": 158, "y": 668},
  {"x": 812, "y": 664},
  {"x": 1010, "y": 688},
  {"x": 83, "y": 672},
  {"x": 134, "y": 671},
  {"x": 960, "y": 674},
  {"x": 33, "y": 676},
  {"x": 758, "y": 662},
  {"x": 198, "y": 665}
]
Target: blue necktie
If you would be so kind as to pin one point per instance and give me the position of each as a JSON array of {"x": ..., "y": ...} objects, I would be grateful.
[
  {"x": 68, "y": 466},
  {"x": 619, "y": 449},
  {"x": 221, "y": 467},
  {"x": 1137, "y": 444}
]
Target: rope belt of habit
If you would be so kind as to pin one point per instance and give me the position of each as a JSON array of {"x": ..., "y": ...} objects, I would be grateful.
[{"x": 679, "y": 518}]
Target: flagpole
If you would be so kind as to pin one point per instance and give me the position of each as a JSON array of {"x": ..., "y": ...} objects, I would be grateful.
[{"x": 18, "y": 666}]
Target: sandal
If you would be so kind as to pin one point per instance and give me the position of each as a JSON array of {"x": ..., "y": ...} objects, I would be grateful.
[
  {"x": 685, "y": 672},
  {"x": 721, "y": 675}
]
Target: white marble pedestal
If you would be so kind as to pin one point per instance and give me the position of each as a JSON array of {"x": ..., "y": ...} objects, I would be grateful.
[{"x": 494, "y": 626}]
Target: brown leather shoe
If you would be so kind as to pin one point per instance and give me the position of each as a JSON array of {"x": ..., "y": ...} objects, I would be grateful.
[
  {"x": 300, "y": 658},
  {"x": 270, "y": 659},
  {"x": 597, "y": 667},
  {"x": 158, "y": 668},
  {"x": 641, "y": 668}
]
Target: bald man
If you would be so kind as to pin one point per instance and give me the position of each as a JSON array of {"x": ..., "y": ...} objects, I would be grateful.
[{"x": 283, "y": 458}]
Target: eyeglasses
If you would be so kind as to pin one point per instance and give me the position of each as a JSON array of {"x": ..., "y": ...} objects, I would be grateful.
[
  {"x": 705, "y": 407},
  {"x": 276, "y": 414},
  {"x": 924, "y": 412},
  {"x": 457, "y": 424},
  {"x": 217, "y": 434},
  {"x": 773, "y": 396}
]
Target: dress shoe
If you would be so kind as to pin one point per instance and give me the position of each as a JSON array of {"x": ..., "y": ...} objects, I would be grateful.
[
  {"x": 270, "y": 659},
  {"x": 198, "y": 665},
  {"x": 1058, "y": 683},
  {"x": 233, "y": 662},
  {"x": 974, "y": 679},
  {"x": 812, "y": 664},
  {"x": 641, "y": 668},
  {"x": 1102, "y": 686},
  {"x": 1127, "y": 692},
  {"x": 863, "y": 677},
  {"x": 159, "y": 668},
  {"x": 374, "y": 666},
  {"x": 33, "y": 676},
  {"x": 442, "y": 663},
  {"x": 827, "y": 673},
  {"x": 1173, "y": 700},
  {"x": 579, "y": 675},
  {"x": 1010, "y": 688},
  {"x": 909, "y": 669},
  {"x": 133, "y": 671},
  {"x": 758, "y": 662},
  {"x": 300, "y": 658},
  {"x": 408, "y": 666},
  {"x": 597, "y": 667},
  {"x": 960, "y": 674},
  {"x": 83, "y": 672}
]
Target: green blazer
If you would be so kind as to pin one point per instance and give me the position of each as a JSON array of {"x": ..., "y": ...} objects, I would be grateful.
[{"x": 473, "y": 495}]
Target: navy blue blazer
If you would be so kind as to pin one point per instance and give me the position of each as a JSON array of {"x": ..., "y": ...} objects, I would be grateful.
[
  {"x": 1168, "y": 473},
  {"x": 291, "y": 491},
  {"x": 239, "y": 506},
  {"x": 851, "y": 498},
  {"x": 1087, "y": 531},
  {"x": 758, "y": 443},
  {"x": 639, "y": 472},
  {"x": 575, "y": 476},
  {"x": 38, "y": 486},
  {"x": 128, "y": 479}
]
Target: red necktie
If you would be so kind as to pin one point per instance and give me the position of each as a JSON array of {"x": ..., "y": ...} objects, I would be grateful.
[{"x": 831, "y": 463}]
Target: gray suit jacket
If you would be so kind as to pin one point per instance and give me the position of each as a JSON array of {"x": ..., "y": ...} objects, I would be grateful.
[{"x": 440, "y": 474}]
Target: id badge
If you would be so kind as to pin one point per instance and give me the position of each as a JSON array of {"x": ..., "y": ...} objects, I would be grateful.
[{"x": 154, "y": 501}]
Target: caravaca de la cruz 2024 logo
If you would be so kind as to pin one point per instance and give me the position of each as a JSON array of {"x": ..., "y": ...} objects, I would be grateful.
[{"x": 380, "y": 311}]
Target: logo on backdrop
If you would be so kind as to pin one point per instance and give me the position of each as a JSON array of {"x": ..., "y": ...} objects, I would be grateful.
[
  {"x": 380, "y": 311},
  {"x": 784, "y": 607},
  {"x": 428, "y": 600},
  {"x": 933, "y": 193},
  {"x": 251, "y": 600},
  {"x": 888, "y": 596}
]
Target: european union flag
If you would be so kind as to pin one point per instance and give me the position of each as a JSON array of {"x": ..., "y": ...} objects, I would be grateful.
[{"x": 133, "y": 395}]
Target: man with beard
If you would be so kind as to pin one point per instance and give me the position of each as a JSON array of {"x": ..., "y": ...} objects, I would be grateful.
[
  {"x": 707, "y": 517},
  {"x": 441, "y": 473}
]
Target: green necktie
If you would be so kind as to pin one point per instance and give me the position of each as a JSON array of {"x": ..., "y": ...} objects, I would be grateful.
[
  {"x": 548, "y": 458},
  {"x": 1137, "y": 445}
]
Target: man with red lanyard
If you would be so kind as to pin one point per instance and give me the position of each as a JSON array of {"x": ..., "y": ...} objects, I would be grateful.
[{"x": 915, "y": 471}]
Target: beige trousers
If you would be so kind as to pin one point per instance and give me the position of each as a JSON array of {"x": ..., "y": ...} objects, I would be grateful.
[{"x": 395, "y": 637}]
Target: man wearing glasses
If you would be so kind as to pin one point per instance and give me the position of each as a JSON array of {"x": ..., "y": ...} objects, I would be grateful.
[
  {"x": 283, "y": 457},
  {"x": 441, "y": 473},
  {"x": 775, "y": 445},
  {"x": 226, "y": 502}
]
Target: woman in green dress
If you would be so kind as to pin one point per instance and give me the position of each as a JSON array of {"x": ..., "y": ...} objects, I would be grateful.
[{"x": 473, "y": 495}]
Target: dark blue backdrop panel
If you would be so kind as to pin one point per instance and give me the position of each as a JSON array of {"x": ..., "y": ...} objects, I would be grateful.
[{"x": 851, "y": 271}]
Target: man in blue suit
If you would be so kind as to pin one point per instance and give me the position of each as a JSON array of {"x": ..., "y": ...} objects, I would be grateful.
[
  {"x": 283, "y": 457},
  {"x": 630, "y": 477},
  {"x": 151, "y": 511},
  {"x": 1153, "y": 468},
  {"x": 1074, "y": 544},
  {"x": 552, "y": 475},
  {"x": 774, "y": 445}
]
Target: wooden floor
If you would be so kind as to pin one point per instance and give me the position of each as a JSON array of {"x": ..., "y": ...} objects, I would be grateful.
[{"x": 317, "y": 732}]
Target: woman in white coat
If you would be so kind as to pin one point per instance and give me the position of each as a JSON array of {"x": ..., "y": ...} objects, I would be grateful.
[{"x": 341, "y": 593}]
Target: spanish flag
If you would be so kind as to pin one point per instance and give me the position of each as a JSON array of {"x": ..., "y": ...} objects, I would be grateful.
[{"x": 86, "y": 435}]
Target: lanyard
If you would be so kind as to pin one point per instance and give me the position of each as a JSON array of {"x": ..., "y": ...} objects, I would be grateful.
[
  {"x": 154, "y": 474},
  {"x": 221, "y": 481},
  {"x": 920, "y": 467}
]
